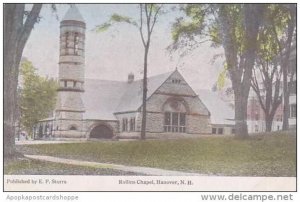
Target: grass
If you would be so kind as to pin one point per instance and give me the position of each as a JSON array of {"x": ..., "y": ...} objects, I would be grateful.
[
  {"x": 262, "y": 155},
  {"x": 34, "y": 167}
]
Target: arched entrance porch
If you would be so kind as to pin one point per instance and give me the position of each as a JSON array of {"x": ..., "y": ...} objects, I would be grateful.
[{"x": 101, "y": 131}]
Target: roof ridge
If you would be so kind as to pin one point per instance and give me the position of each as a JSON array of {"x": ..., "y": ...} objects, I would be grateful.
[
  {"x": 165, "y": 73},
  {"x": 95, "y": 79}
]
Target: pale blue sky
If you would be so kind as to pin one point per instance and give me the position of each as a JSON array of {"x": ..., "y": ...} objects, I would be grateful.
[{"x": 115, "y": 53}]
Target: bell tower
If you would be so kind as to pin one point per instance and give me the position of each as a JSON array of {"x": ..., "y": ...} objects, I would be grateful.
[{"x": 70, "y": 108}]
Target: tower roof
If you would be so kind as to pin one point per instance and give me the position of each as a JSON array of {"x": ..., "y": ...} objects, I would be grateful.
[{"x": 73, "y": 14}]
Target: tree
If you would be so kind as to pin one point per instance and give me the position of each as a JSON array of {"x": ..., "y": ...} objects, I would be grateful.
[
  {"x": 234, "y": 27},
  {"x": 149, "y": 14},
  {"x": 38, "y": 96},
  {"x": 268, "y": 73},
  {"x": 283, "y": 22},
  {"x": 18, "y": 24}
]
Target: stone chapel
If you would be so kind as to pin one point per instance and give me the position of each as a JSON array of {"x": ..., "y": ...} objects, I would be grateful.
[{"x": 91, "y": 108}]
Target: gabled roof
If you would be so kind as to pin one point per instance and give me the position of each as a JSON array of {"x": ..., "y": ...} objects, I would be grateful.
[
  {"x": 220, "y": 111},
  {"x": 73, "y": 14},
  {"x": 103, "y": 98},
  {"x": 133, "y": 97}
]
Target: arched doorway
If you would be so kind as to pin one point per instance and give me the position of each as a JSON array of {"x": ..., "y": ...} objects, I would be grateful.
[{"x": 101, "y": 131}]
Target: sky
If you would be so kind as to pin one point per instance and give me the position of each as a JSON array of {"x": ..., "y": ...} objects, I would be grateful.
[{"x": 113, "y": 54}]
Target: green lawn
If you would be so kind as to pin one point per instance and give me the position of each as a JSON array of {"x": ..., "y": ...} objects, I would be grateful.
[
  {"x": 263, "y": 155},
  {"x": 35, "y": 167}
]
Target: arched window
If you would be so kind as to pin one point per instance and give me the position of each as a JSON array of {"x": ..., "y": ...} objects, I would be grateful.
[{"x": 174, "y": 116}]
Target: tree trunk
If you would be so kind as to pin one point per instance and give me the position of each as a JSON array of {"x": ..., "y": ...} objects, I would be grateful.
[
  {"x": 240, "y": 65},
  {"x": 284, "y": 65},
  {"x": 16, "y": 33},
  {"x": 10, "y": 99},
  {"x": 9, "y": 132},
  {"x": 11, "y": 62},
  {"x": 144, "y": 108},
  {"x": 240, "y": 116},
  {"x": 269, "y": 122},
  {"x": 286, "y": 103}
]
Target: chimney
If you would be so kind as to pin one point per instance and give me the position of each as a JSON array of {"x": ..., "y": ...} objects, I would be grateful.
[{"x": 130, "y": 77}]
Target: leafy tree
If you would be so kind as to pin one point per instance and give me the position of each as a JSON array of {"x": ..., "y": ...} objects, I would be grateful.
[
  {"x": 149, "y": 14},
  {"x": 283, "y": 24},
  {"x": 268, "y": 73},
  {"x": 234, "y": 27},
  {"x": 17, "y": 24},
  {"x": 267, "y": 76},
  {"x": 38, "y": 96}
]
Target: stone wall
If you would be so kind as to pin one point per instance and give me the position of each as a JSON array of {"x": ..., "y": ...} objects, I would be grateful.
[
  {"x": 181, "y": 90},
  {"x": 71, "y": 71},
  {"x": 69, "y": 101},
  {"x": 197, "y": 124},
  {"x": 62, "y": 128},
  {"x": 176, "y": 84},
  {"x": 155, "y": 122},
  {"x": 197, "y": 119}
]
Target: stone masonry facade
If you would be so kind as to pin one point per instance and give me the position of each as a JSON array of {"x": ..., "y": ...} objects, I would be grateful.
[{"x": 172, "y": 108}]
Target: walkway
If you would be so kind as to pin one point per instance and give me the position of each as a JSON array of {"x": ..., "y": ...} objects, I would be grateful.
[
  {"x": 31, "y": 142},
  {"x": 139, "y": 170}
]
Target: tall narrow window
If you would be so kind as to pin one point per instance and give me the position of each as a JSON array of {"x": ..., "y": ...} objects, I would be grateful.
[
  {"x": 74, "y": 84},
  {"x": 124, "y": 124},
  {"x": 76, "y": 42},
  {"x": 293, "y": 110},
  {"x": 182, "y": 123},
  {"x": 65, "y": 83},
  {"x": 67, "y": 43},
  {"x": 132, "y": 124},
  {"x": 175, "y": 122}
]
